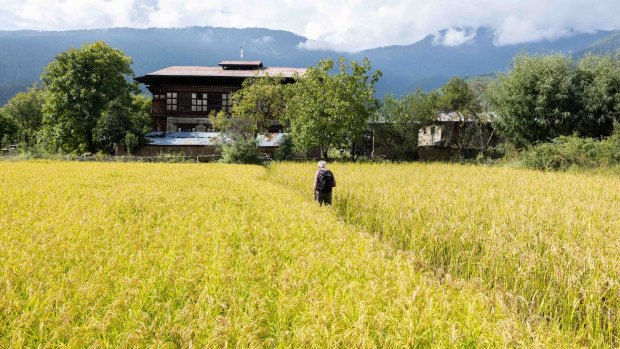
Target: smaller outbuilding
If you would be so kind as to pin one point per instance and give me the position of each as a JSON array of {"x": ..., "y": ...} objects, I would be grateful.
[{"x": 454, "y": 136}]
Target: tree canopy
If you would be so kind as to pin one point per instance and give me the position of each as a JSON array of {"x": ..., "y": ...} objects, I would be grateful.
[
  {"x": 331, "y": 110},
  {"x": 456, "y": 96},
  {"x": 544, "y": 97},
  {"x": 25, "y": 109},
  {"x": 80, "y": 85},
  {"x": 255, "y": 106},
  {"x": 8, "y": 129}
]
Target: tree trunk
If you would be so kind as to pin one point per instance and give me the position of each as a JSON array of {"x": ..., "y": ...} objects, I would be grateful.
[
  {"x": 354, "y": 152},
  {"x": 90, "y": 144}
]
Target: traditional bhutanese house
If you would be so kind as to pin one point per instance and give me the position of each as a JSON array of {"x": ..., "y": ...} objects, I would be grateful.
[
  {"x": 184, "y": 96},
  {"x": 452, "y": 136}
]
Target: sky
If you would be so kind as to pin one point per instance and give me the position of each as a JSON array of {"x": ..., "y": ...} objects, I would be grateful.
[{"x": 343, "y": 25}]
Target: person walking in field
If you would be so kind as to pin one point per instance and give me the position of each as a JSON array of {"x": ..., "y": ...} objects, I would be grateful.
[{"x": 324, "y": 181}]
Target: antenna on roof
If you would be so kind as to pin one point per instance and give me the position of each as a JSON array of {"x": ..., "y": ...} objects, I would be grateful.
[{"x": 241, "y": 52}]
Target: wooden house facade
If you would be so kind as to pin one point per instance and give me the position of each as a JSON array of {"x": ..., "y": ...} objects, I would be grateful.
[{"x": 184, "y": 96}]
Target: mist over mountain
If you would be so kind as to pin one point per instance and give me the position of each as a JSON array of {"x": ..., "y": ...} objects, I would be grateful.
[{"x": 426, "y": 64}]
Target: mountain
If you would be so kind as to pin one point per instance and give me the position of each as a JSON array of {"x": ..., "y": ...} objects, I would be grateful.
[
  {"x": 24, "y": 54},
  {"x": 607, "y": 44},
  {"x": 428, "y": 65}
]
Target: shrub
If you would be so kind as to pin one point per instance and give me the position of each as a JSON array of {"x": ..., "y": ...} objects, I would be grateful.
[
  {"x": 285, "y": 149},
  {"x": 242, "y": 152},
  {"x": 131, "y": 142},
  {"x": 565, "y": 152}
]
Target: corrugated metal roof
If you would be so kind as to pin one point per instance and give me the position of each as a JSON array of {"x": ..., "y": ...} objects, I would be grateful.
[
  {"x": 205, "y": 138},
  {"x": 198, "y": 71},
  {"x": 183, "y": 138},
  {"x": 270, "y": 139}
]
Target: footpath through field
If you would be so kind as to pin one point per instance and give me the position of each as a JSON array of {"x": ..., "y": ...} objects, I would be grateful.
[
  {"x": 192, "y": 255},
  {"x": 546, "y": 244}
]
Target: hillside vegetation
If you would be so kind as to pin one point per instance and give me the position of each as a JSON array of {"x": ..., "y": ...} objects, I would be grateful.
[{"x": 606, "y": 44}]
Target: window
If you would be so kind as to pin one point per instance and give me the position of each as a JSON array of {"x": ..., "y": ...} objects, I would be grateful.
[
  {"x": 226, "y": 101},
  {"x": 275, "y": 129},
  {"x": 171, "y": 101},
  {"x": 199, "y": 101},
  {"x": 185, "y": 101},
  {"x": 159, "y": 97},
  {"x": 186, "y": 128}
]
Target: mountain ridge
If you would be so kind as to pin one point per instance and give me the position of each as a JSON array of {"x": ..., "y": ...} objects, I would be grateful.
[{"x": 423, "y": 64}]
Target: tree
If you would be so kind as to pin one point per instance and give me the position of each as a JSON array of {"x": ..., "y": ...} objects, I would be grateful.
[
  {"x": 479, "y": 85},
  {"x": 286, "y": 148},
  {"x": 26, "y": 111},
  {"x": 123, "y": 124},
  {"x": 80, "y": 85},
  {"x": 258, "y": 103},
  {"x": 131, "y": 142},
  {"x": 398, "y": 122},
  {"x": 536, "y": 100},
  {"x": 8, "y": 130},
  {"x": 140, "y": 116},
  {"x": 326, "y": 111},
  {"x": 545, "y": 97},
  {"x": 112, "y": 127},
  {"x": 597, "y": 86},
  {"x": 457, "y": 97}
]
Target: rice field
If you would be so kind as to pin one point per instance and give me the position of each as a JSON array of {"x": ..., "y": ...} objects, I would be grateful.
[
  {"x": 106, "y": 255},
  {"x": 550, "y": 240}
]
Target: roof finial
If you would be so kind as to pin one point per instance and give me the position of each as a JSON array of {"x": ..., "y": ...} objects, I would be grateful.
[{"x": 241, "y": 52}]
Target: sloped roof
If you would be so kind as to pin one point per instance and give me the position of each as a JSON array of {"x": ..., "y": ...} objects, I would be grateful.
[{"x": 200, "y": 71}]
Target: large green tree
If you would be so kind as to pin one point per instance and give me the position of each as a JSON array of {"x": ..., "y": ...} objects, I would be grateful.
[
  {"x": 597, "y": 85},
  {"x": 326, "y": 110},
  {"x": 544, "y": 97},
  {"x": 80, "y": 84},
  {"x": 534, "y": 100},
  {"x": 26, "y": 111}
]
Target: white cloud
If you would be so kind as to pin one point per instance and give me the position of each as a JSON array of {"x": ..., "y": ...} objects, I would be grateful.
[
  {"x": 345, "y": 25},
  {"x": 454, "y": 37}
]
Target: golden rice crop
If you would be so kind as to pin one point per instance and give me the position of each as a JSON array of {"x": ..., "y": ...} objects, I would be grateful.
[
  {"x": 188, "y": 255},
  {"x": 550, "y": 239}
]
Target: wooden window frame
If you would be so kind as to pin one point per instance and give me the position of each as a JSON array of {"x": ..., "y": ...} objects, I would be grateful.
[
  {"x": 199, "y": 102},
  {"x": 171, "y": 101}
]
